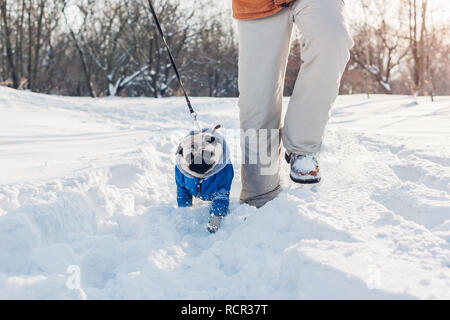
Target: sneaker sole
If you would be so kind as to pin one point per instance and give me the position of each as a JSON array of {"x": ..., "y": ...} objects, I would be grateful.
[{"x": 309, "y": 181}]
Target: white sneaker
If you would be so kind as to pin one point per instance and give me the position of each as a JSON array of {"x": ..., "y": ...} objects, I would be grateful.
[{"x": 304, "y": 168}]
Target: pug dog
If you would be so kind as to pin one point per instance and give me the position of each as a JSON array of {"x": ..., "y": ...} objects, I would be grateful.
[{"x": 203, "y": 170}]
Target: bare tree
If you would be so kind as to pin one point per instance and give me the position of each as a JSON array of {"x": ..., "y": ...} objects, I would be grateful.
[
  {"x": 79, "y": 47},
  {"x": 213, "y": 55},
  {"x": 8, "y": 44},
  {"x": 98, "y": 48},
  {"x": 41, "y": 7},
  {"x": 417, "y": 20},
  {"x": 119, "y": 48},
  {"x": 378, "y": 46}
]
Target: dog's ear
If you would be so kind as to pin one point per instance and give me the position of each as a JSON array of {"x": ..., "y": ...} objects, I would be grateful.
[{"x": 179, "y": 151}]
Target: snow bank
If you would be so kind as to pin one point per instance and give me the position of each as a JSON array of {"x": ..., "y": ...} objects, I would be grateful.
[{"x": 87, "y": 193}]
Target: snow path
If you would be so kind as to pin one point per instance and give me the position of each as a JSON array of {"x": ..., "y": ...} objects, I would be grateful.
[{"x": 90, "y": 183}]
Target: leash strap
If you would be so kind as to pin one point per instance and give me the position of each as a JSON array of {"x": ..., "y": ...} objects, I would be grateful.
[{"x": 174, "y": 65}]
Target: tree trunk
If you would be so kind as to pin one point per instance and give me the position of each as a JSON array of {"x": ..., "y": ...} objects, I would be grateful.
[
  {"x": 30, "y": 45},
  {"x": 86, "y": 72},
  {"x": 38, "y": 44},
  {"x": 20, "y": 40},
  {"x": 9, "y": 51},
  {"x": 417, "y": 38}
]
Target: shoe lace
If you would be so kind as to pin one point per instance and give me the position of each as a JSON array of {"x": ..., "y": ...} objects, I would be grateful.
[{"x": 295, "y": 157}]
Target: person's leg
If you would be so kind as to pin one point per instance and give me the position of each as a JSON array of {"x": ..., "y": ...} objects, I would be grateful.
[
  {"x": 263, "y": 51},
  {"x": 325, "y": 52}
]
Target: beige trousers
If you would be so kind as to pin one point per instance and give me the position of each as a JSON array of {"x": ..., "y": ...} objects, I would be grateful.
[{"x": 264, "y": 46}]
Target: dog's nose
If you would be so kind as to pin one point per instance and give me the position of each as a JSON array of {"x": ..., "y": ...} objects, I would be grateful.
[{"x": 198, "y": 159}]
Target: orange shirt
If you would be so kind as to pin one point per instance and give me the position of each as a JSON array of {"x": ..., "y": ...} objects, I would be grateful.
[{"x": 254, "y": 9}]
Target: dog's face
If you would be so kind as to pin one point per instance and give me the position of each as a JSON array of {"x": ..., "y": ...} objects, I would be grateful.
[{"x": 199, "y": 153}]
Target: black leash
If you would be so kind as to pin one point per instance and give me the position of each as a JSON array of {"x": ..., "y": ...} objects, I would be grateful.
[{"x": 174, "y": 65}]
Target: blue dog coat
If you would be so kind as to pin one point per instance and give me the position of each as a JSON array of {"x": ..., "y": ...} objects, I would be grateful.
[{"x": 214, "y": 186}]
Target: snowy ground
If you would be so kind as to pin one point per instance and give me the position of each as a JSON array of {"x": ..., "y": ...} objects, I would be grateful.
[{"x": 88, "y": 184}]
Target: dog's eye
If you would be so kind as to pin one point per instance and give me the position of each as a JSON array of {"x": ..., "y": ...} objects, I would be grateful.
[
  {"x": 190, "y": 157},
  {"x": 208, "y": 155}
]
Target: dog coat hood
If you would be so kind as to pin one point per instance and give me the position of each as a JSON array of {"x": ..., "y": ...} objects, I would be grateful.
[{"x": 207, "y": 144}]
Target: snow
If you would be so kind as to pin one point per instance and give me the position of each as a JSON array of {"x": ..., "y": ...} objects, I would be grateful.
[
  {"x": 87, "y": 205},
  {"x": 386, "y": 85}
]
